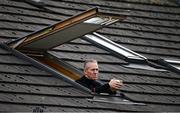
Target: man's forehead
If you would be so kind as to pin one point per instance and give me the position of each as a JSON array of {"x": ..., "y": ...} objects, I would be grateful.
[{"x": 91, "y": 65}]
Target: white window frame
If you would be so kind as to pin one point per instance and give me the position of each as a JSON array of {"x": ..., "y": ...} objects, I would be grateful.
[{"x": 108, "y": 44}]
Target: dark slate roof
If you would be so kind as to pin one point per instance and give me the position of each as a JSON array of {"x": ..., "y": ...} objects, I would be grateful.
[
  {"x": 151, "y": 29},
  {"x": 25, "y": 87}
]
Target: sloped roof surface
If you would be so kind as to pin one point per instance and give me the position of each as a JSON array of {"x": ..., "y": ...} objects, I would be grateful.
[
  {"x": 151, "y": 29},
  {"x": 24, "y": 87}
]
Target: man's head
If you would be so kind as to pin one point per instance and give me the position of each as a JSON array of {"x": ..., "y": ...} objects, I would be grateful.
[{"x": 91, "y": 69}]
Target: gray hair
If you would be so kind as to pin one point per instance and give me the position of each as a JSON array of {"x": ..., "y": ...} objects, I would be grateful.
[{"x": 89, "y": 61}]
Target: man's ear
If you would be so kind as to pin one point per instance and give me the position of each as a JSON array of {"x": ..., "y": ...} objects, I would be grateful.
[{"x": 85, "y": 71}]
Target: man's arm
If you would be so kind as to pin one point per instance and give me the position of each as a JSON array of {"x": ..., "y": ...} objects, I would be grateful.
[
  {"x": 110, "y": 87},
  {"x": 103, "y": 89}
]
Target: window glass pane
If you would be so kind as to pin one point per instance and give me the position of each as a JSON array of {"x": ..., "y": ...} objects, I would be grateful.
[
  {"x": 95, "y": 20},
  {"x": 112, "y": 46}
]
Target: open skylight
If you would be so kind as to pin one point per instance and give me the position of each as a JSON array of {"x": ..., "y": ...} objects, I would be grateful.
[
  {"x": 66, "y": 30},
  {"x": 114, "y": 47},
  {"x": 37, "y": 44},
  {"x": 135, "y": 60}
]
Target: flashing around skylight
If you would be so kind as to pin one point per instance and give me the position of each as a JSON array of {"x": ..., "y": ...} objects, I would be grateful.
[
  {"x": 174, "y": 63},
  {"x": 114, "y": 100},
  {"x": 143, "y": 66},
  {"x": 112, "y": 46}
]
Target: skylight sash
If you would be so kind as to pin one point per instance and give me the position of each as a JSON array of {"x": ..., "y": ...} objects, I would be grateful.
[
  {"x": 67, "y": 30},
  {"x": 103, "y": 41},
  {"x": 60, "y": 37}
]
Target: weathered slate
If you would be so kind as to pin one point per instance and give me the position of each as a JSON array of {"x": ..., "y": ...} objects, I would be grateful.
[
  {"x": 43, "y": 80},
  {"x": 21, "y": 26},
  {"x": 141, "y": 79},
  {"x": 147, "y": 28},
  {"x": 81, "y": 57},
  {"x": 25, "y": 19},
  {"x": 67, "y": 91},
  {"x": 22, "y": 69},
  {"x": 44, "y": 108},
  {"x": 148, "y": 35},
  {"x": 153, "y": 89},
  {"x": 117, "y": 5},
  {"x": 125, "y": 41},
  {"x": 9, "y": 59},
  {"x": 157, "y": 99},
  {"x": 27, "y": 12},
  {"x": 151, "y": 29},
  {"x": 152, "y": 22},
  {"x": 17, "y": 4},
  {"x": 80, "y": 48}
]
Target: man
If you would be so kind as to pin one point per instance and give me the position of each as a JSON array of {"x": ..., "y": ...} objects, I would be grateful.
[{"x": 89, "y": 80}]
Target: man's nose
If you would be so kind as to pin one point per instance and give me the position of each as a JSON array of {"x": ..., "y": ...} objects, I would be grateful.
[{"x": 96, "y": 71}]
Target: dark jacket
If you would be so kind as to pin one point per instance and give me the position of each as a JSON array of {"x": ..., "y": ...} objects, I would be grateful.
[{"x": 95, "y": 86}]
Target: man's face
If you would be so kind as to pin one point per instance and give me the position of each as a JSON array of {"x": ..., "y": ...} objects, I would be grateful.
[{"x": 92, "y": 71}]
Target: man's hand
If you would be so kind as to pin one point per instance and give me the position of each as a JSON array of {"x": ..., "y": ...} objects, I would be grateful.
[{"x": 115, "y": 84}]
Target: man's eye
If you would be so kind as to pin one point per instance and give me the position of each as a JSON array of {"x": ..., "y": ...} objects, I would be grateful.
[{"x": 94, "y": 69}]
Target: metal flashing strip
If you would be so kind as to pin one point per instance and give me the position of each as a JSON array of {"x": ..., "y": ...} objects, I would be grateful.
[
  {"x": 114, "y": 100},
  {"x": 170, "y": 64},
  {"x": 45, "y": 68},
  {"x": 144, "y": 67},
  {"x": 173, "y": 61},
  {"x": 112, "y": 46},
  {"x": 67, "y": 30},
  {"x": 37, "y": 3}
]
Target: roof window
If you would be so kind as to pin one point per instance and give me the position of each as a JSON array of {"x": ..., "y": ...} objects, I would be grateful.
[
  {"x": 113, "y": 47},
  {"x": 135, "y": 60},
  {"x": 67, "y": 30},
  {"x": 38, "y": 43}
]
